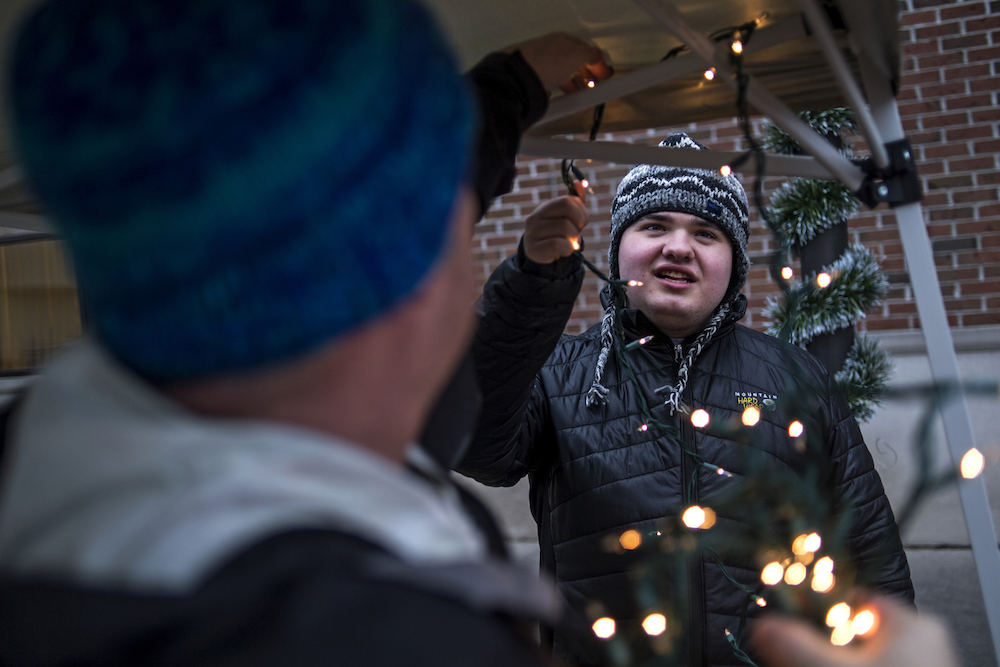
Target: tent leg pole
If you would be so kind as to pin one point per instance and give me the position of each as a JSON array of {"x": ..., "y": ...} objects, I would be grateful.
[{"x": 943, "y": 362}]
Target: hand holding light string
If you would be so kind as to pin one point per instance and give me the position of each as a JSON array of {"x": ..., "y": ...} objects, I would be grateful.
[{"x": 553, "y": 229}]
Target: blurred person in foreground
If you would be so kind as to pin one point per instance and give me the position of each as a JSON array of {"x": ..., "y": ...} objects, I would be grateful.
[{"x": 269, "y": 206}]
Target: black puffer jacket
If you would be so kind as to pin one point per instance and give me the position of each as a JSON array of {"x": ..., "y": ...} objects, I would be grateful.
[{"x": 594, "y": 473}]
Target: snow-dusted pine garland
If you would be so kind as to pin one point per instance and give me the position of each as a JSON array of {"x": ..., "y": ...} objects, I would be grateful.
[{"x": 802, "y": 209}]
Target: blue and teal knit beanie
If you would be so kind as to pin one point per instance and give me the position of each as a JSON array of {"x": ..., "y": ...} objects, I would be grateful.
[{"x": 240, "y": 181}]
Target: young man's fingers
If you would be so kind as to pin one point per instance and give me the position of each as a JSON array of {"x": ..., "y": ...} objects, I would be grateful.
[
  {"x": 550, "y": 249},
  {"x": 571, "y": 208},
  {"x": 550, "y": 228}
]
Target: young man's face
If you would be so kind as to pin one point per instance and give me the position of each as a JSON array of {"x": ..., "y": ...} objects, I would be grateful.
[{"x": 684, "y": 263}]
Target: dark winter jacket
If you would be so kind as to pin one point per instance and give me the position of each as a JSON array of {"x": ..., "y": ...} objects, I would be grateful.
[
  {"x": 307, "y": 597},
  {"x": 594, "y": 473}
]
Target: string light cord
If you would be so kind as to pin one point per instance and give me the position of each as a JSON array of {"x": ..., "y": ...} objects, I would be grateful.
[{"x": 779, "y": 258}]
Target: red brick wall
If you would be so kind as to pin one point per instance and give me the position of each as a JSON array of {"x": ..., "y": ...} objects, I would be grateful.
[{"x": 948, "y": 102}]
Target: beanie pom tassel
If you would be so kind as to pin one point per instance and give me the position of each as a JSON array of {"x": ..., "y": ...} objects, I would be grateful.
[{"x": 598, "y": 395}]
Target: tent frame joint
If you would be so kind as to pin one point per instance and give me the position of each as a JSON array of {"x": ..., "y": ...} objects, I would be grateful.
[{"x": 897, "y": 184}]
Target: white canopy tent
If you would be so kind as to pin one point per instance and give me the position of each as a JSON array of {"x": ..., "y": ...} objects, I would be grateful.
[{"x": 848, "y": 55}]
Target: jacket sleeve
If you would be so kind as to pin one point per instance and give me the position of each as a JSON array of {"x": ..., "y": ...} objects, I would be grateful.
[
  {"x": 524, "y": 309},
  {"x": 511, "y": 99},
  {"x": 874, "y": 537}
]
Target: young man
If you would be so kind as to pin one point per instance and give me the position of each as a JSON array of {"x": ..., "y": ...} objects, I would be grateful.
[
  {"x": 224, "y": 471},
  {"x": 561, "y": 410}
]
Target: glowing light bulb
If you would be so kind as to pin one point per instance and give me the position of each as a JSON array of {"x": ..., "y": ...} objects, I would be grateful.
[
  {"x": 604, "y": 627},
  {"x": 807, "y": 544},
  {"x": 823, "y": 280},
  {"x": 824, "y": 565},
  {"x": 644, "y": 428},
  {"x": 693, "y": 517},
  {"x": 699, "y": 418},
  {"x": 725, "y": 170},
  {"x": 795, "y": 429},
  {"x": 761, "y": 602},
  {"x": 972, "y": 464},
  {"x": 575, "y": 243},
  {"x": 863, "y": 623},
  {"x": 698, "y": 517},
  {"x": 795, "y": 574},
  {"x": 787, "y": 273},
  {"x": 635, "y": 283},
  {"x": 737, "y": 46},
  {"x": 842, "y": 635},
  {"x": 823, "y": 581},
  {"x": 591, "y": 83},
  {"x": 751, "y": 416},
  {"x": 654, "y": 624},
  {"x": 630, "y": 539},
  {"x": 772, "y": 573},
  {"x": 636, "y": 343},
  {"x": 710, "y": 74},
  {"x": 839, "y": 614}
]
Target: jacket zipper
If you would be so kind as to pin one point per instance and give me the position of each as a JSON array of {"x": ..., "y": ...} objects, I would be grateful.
[{"x": 696, "y": 596}]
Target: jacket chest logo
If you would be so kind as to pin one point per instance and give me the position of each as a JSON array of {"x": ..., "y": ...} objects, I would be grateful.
[{"x": 757, "y": 399}]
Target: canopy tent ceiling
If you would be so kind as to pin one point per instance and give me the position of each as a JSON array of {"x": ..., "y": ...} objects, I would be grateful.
[{"x": 780, "y": 56}]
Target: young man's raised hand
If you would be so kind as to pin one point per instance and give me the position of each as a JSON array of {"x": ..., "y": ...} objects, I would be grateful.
[{"x": 552, "y": 229}]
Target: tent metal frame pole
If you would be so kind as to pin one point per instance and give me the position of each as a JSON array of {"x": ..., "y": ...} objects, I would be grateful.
[
  {"x": 10, "y": 176},
  {"x": 943, "y": 360},
  {"x": 823, "y": 34},
  {"x": 621, "y": 153},
  {"x": 28, "y": 222},
  {"x": 640, "y": 79}
]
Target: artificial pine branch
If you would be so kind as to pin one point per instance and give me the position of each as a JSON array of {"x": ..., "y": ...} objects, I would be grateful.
[
  {"x": 831, "y": 123},
  {"x": 864, "y": 376},
  {"x": 803, "y": 208},
  {"x": 857, "y": 283}
]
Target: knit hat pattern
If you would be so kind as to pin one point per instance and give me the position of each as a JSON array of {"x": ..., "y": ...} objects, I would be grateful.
[
  {"x": 707, "y": 194},
  {"x": 240, "y": 181}
]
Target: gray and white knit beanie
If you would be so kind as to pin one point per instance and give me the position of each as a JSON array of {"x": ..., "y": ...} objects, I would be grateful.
[{"x": 707, "y": 194}]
